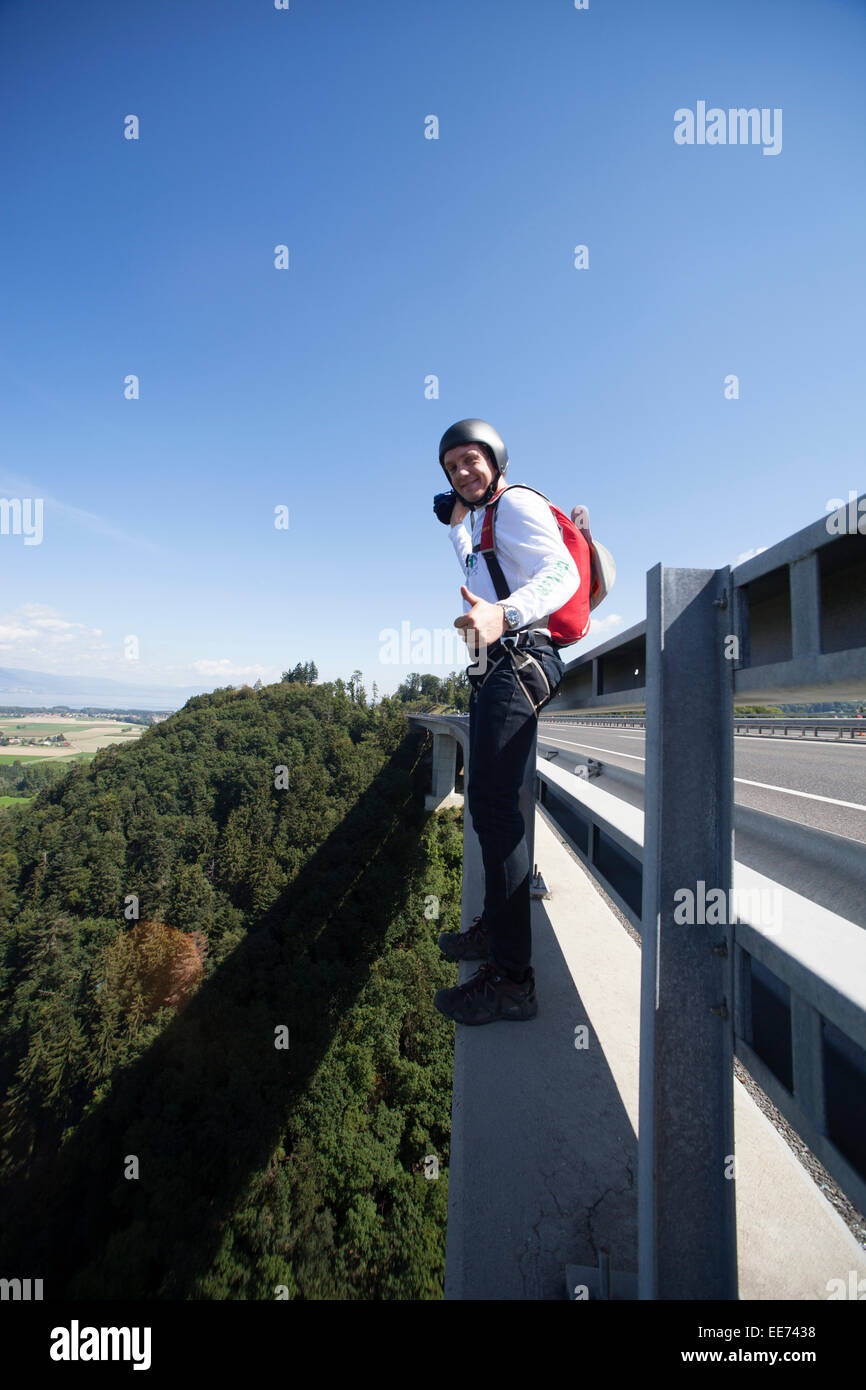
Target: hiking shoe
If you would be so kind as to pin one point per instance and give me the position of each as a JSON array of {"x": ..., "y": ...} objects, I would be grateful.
[
  {"x": 473, "y": 944},
  {"x": 488, "y": 996}
]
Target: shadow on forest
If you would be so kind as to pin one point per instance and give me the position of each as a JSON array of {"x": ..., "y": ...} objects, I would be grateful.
[{"x": 204, "y": 1108}]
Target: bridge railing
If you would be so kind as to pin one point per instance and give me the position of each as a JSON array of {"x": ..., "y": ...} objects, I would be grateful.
[
  {"x": 786, "y": 989},
  {"x": 854, "y": 728},
  {"x": 750, "y": 724}
]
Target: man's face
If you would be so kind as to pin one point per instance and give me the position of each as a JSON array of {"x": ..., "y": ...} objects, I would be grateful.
[{"x": 469, "y": 469}]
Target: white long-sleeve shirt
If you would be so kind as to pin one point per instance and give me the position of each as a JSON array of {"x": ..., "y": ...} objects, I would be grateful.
[{"x": 534, "y": 559}]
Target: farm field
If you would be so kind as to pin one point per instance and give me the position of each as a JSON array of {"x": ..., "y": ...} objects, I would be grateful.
[{"x": 85, "y": 735}]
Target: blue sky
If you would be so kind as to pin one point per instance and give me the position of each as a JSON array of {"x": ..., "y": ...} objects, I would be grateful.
[{"x": 409, "y": 258}]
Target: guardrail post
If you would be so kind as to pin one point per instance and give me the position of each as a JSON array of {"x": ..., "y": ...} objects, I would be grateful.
[{"x": 686, "y": 1207}]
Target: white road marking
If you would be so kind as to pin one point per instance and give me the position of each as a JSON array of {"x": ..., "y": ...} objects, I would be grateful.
[
  {"x": 811, "y": 796},
  {"x": 767, "y": 786},
  {"x": 774, "y": 738},
  {"x": 596, "y": 749},
  {"x": 804, "y": 742}
]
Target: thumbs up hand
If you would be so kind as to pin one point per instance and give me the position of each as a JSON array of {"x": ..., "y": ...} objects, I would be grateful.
[{"x": 483, "y": 624}]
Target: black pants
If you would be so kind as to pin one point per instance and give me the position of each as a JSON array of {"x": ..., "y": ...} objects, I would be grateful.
[{"x": 503, "y": 727}]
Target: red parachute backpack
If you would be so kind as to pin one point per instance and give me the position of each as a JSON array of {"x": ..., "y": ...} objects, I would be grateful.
[{"x": 570, "y": 622}]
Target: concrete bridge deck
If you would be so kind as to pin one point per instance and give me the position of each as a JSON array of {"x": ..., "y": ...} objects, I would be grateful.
[{"x": 544, "y": 1134}]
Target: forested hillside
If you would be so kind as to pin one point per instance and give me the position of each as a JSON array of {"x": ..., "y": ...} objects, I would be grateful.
[{"x": 220, "y": 1064}]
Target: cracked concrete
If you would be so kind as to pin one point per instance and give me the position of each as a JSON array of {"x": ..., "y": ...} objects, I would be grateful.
[
  {"x": 543, "y": 1152},
  {"x": 628, "y": 1190}
]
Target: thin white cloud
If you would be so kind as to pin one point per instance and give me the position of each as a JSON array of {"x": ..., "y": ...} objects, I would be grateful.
[
  {"x": 749, "y": 555},
  {"x": 11, "y": 632},
  {"x": 12, "y": 485},
  {"x": 224, "y": 667},
  {"x": 603, "y": 624},
  {"x": 41, "y": 617},
  {"x": 38, "y": 637}
]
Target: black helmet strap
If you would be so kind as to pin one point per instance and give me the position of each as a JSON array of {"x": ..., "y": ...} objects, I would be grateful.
[{"x": 483, "y": 500}]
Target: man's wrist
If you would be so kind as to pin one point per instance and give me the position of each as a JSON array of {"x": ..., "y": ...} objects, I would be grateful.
[{"x": 509, "y": 611}]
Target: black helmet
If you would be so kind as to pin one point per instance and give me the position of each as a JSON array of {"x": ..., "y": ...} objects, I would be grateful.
[{"x": 476, "y": 432}]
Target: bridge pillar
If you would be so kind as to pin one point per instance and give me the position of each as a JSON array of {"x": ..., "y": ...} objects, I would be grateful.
[{"x": 444, "y": 773}]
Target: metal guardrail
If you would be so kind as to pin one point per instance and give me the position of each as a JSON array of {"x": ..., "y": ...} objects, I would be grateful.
[
  {"x": 635, "y": 721},
  {"x": 786, "y": 624},
  {"x": 752, "y": 724},
  {"x": 854, "y": 728}
]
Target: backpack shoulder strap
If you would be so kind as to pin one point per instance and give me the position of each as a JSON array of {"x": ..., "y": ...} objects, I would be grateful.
[
  {"x": 486, "y": 544},
  {"x": 487, "y": 548},
  {"x": 508, "y": 488}
]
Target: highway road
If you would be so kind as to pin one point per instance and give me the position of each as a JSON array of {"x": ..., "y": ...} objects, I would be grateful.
[
  {"x": 816, "y": 782},
  {"x": 812, "y": 788}
]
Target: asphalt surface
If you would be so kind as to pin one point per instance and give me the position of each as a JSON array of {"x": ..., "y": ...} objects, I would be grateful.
[{"x": 816, "y": 782}]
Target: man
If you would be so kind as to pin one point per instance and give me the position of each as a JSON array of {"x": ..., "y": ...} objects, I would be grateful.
[{"x": 519, "y": 672}]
